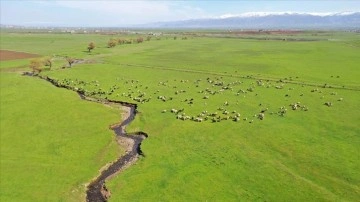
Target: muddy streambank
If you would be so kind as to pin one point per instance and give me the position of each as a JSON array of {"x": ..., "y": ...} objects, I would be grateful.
[{"x": 96, "y": 190}]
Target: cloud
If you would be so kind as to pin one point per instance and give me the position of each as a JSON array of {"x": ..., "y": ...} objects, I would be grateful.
[
  {"x": 126, "y": 12},
  {"x": 136, "y": 12}
]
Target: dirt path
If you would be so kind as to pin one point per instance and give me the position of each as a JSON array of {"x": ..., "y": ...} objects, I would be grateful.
[{"x": 96, "y": 190}]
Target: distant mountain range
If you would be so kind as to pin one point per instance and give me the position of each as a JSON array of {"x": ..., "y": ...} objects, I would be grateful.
[{"x": 270, "y": 20}]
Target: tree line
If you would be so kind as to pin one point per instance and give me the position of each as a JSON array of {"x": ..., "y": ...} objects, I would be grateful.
[
  {"x": 37, "y": 64},
  {"x": 113, "y": 42}
]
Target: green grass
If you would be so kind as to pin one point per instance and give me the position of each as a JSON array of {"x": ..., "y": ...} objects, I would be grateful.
[
  {"x": 52, "y": 143},
  {"x": 14, "y": 64},
  {"x": 309, "y": 61},
  {"x": 317, "y": 149},
  {"x": 304, "y": 156}
]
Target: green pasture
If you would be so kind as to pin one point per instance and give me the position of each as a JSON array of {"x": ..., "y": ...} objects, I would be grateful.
[
  {"x": 52, "y": 143},
  {"x": 308, "y": 154},
  {"x": 319, "y": 61}
]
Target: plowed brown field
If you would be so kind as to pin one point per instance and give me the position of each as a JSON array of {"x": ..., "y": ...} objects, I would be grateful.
[{"x": 13, "y": 55}]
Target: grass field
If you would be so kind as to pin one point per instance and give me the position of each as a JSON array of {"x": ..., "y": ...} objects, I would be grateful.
[
  {"x": 309, "y": 154},
  {"x": 52, "y": 143}
]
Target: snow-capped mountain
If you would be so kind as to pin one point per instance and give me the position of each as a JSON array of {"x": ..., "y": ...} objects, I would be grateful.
[
  {"x": 271, "y": 20},
  {"x": 263, "y": 14}
]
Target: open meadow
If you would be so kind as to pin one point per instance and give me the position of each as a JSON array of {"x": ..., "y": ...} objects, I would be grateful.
[{"x": 230, "y": 118}]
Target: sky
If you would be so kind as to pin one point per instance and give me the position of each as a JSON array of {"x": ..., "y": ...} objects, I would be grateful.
[{"x": 113, "y": 13}]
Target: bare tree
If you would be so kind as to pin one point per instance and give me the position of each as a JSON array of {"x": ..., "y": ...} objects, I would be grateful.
[
  {"x": 120, "y": 41},
  {"x": 35, "y": 65},
  {"x": 139, "y": 40},
  {"x": 112, "y": 43},
  {"x": 91, "y": 46},
  {"x": 70, "y": 60},
  {"x": 48, "y": 62}
]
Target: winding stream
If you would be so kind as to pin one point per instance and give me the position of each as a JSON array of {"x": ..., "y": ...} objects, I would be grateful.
[{"x": 96, "y": 190}]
